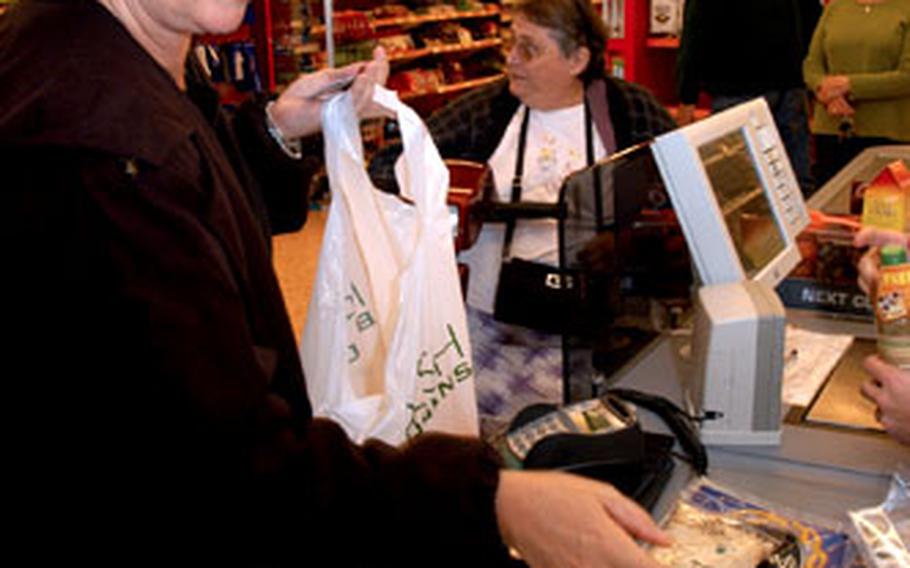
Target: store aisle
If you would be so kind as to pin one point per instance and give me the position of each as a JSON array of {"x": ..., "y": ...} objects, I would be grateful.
[{"x": 295, "y": 257}]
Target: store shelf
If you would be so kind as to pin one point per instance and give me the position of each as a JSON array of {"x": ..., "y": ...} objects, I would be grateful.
[
  {"x": 416, "y": 20},
  {"x": 663, "y": 42},
  {"x": 454, "y": 88},
  {"x": 471, "y": 84},
  {"x": 430, "y": 18},
  {"x": 444, "y": 49},
  {"x": 483, "y": 55},
  {"x": 307, "y": 48}
]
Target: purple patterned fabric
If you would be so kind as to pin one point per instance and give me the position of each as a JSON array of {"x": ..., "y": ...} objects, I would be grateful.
[{"x": 514, "y": 367}]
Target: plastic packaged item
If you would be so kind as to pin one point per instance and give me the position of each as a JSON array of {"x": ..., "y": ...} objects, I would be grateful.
[
  {"x": 883, "y": 532},
  {"x": 892, "y": 306},
  {"x": 713, "y": 527},
  {"x": 825, "y": 280},
  {"x": 666, "y": 17}
]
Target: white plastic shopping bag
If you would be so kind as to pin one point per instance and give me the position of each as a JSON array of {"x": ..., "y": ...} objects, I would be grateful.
[{"x": 385, "y": 348}]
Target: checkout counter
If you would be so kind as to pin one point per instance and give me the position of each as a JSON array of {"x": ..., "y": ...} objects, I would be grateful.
[
  {"x": 740, "y": 211},
  {"x": 820, "y": 469},
  {"x": 823, "y": 471}
]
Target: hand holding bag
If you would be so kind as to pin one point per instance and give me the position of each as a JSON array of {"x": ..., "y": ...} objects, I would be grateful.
[{"x": 385, "y": 348}]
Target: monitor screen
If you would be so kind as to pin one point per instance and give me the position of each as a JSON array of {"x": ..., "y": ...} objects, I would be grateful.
[
  {"x": 735, "y": 195},
  {"x": 745, "y": 207}
]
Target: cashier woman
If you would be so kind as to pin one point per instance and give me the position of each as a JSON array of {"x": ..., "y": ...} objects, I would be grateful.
[{"x": 888, "y": 386}]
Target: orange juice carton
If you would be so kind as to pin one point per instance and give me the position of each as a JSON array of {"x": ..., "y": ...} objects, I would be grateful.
[{"x": 886, "y": 201}]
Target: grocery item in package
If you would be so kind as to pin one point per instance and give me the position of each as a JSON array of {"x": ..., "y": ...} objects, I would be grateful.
[
  {"x": 883, "y": 532},
  {"x": 712, "y": 527}
]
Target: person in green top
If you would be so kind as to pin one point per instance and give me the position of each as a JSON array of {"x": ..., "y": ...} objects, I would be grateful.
[{"x": 859, "y": 68}]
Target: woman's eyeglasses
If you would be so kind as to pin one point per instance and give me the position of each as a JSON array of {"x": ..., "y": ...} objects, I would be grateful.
[{"x": 523, "y": 50}]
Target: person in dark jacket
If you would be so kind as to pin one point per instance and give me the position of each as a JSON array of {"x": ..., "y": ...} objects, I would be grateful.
[
  {"x": 736, "y": 51},
  {"x": 576, "y": 114},
  {"x": 157, "y": 405}
]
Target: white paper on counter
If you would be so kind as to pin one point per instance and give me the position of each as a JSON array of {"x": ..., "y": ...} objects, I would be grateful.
[{"x": 809, "y": 357}]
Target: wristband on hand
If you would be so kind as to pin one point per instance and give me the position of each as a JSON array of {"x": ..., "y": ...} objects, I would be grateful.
[{"x": 291, "y": 147}]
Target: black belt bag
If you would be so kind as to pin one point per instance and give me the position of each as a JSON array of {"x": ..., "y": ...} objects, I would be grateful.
[{"x": 539, "y": 296}]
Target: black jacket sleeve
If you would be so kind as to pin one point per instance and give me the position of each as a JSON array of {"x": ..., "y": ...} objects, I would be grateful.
[
  {"x": 284, "y": 181},
  {"x": 277, "y": 185},
  {"x": 159, "y": 404}
]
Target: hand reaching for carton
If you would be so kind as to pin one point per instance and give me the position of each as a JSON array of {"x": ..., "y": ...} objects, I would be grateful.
[
  {"x": 888, "y": 386},
  {"x": 889, "y": 389}
]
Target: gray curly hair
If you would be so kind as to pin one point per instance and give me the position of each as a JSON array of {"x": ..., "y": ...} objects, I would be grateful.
[{"x": 575, "y": 24}]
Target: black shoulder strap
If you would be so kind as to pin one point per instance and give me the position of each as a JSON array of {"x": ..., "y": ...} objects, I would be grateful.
[
  {"x": 516, "y": 180},
  {"x": 520, "y": 167}
]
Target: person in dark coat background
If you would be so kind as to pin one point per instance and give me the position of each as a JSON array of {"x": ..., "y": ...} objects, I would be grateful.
[
  {"x": 736, "y": 51},
  {"x": 157, "y": 402}
]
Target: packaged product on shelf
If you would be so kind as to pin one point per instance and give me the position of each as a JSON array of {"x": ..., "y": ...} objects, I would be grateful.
[
  {"x": 431, "y": 8},
  {"x": 883, "y": 532},
  {"x": 448, "y": 33},
  {"x": 666, "y": 17},
  {"x": 616, "y": 10},
  {"x": 391, "y": 11},
  {"x": 416, "y": 81},
  {"x": 352, "y": 25},
  {"x": 241, "y": 66},
  {"x": 468, "y": 5},
  {"x": 617, "y": 67},
  {"x": 210, "y": 59},
  {"x": 453, "y": 72},
  {"x": 487, "y": 29},
  {"x": 397, "y": 43},
  {"x": 481, "y": 64},
  {"x": 714, "y": 527}
]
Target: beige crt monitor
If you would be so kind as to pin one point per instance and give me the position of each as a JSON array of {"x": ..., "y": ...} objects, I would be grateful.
[
  {"x": 740, "y": 209},
  {"x": 735, "y": 194}
]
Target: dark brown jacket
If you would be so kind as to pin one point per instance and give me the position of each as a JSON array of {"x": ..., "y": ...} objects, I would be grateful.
[{"x": 155, "y": 400}]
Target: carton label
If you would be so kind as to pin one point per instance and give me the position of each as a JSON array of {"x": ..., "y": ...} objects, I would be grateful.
[
  {"x": 893, "y": 293},
  {"x": 885, "y": 202},
  {"x": 885, "y": 207}
]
